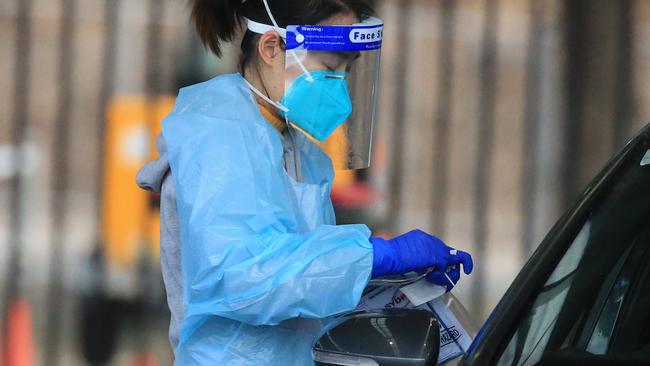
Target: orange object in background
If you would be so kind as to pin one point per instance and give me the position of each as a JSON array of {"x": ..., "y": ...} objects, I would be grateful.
[
  {"x": 19, "y": 345},
  {"x": 347, "y": 190},
  {"x": 146, "y": 359},
  {"x": 131, "y": 222},
  {"x": 336, "y": 147}
]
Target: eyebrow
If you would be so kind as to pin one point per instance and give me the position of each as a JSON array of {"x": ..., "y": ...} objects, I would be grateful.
[
  {"x": 349, "y": 55},
  {"x": 346, "y": 56}
]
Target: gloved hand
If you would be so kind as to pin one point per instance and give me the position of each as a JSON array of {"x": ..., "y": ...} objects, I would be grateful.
[
  {"x": 447, "y": 279},
  {"x": 418, "y": 251}
]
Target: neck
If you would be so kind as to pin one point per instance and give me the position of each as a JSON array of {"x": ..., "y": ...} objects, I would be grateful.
[{"x": 253, "y": 76}]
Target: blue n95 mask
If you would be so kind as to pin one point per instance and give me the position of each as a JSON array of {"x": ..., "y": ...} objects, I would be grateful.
[
  {"x": 320, "y": 105},
  {"x": 319, "y": 102}
]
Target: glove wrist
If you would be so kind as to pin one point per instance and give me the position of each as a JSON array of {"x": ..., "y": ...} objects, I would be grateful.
[{"x": 384, "y": 255}]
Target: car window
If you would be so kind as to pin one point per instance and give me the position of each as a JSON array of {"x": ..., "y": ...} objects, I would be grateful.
[
  {"x": 593, "y": 305},
  {"x": 606, "y": 319}
]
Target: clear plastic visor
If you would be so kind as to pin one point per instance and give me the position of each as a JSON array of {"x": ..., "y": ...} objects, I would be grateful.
[{"x": 332, "y": 85}]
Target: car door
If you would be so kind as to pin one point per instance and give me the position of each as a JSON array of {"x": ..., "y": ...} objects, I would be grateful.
[{"x": 584, "y": 296}]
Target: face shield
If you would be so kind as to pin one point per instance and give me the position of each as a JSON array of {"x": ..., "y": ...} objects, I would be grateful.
[{"x": 332, "y": 85}]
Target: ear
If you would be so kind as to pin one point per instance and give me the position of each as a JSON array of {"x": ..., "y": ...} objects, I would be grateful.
[{"x": 270, "y": 47}]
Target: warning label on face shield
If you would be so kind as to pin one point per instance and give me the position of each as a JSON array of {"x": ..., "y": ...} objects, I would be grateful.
[
  {"x": 335, "y": 38},
  {"x": 454, "y": 339}
]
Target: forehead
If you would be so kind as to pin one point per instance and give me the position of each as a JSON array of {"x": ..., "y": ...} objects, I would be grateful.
[{"x": 341, "y": 19}]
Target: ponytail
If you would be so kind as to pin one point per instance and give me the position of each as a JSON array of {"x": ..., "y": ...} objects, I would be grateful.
[{"x": 216, "y": 21}]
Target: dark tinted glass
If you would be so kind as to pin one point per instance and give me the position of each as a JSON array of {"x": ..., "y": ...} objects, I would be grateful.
[{"x": 595, "y": 305}]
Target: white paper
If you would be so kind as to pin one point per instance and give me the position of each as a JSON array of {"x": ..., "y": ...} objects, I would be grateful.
[
  {"x": 422, "y": 292},
  {"x": 454, "y": 340}
]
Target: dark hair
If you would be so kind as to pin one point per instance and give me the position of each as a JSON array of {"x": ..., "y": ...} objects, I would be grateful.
[{"x": 218, "y": 21}]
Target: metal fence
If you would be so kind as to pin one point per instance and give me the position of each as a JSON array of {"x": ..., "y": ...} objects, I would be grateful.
[
  {"x": 493, "y": 114},
  {"x": 501, "y": 113}
]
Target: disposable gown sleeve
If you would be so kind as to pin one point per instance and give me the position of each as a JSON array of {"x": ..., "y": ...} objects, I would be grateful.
[{"x": 243, "y": 255}]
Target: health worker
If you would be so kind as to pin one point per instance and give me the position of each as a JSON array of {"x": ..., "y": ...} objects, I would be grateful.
[{"x": 252, "y": 258}]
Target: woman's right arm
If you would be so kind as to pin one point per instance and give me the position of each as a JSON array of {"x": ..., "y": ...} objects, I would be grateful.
[{"x": 243, "y": 257}]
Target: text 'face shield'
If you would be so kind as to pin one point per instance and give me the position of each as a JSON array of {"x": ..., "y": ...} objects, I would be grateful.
[{"x": 332, "y": 85}]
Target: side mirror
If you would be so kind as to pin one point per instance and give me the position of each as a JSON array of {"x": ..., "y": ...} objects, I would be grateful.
[{"x": 389, "y": 337}]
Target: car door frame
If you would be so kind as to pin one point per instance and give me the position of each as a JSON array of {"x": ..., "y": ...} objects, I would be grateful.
[{"x": 495, "y": 332}]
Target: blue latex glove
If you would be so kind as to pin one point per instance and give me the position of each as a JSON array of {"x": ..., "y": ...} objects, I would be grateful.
[
  {"x": 418, "y": 251},
  {"x": 448, "y": 279}
]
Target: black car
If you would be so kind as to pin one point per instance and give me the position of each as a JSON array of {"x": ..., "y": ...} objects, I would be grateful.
[{"x": 582, "y": 298}]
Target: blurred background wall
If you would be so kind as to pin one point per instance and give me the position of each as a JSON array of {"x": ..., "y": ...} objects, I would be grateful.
[{"x": 493, "y": 115}]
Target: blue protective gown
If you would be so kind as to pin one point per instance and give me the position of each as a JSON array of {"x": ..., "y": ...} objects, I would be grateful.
[{"x": 262, "y": 259}]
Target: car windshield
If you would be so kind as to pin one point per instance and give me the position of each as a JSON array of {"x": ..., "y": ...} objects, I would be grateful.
[{"x": 593, "y": 307}]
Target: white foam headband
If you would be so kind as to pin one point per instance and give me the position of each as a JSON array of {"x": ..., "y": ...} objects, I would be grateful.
[{"x": 261, "y": 28}]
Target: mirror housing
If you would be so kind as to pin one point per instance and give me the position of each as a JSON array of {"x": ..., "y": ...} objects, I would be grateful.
[{"x": 388, "y": 337}]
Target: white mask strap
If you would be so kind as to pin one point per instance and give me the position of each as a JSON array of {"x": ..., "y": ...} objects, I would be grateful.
[
  {"x": 268, "y": 11},
  {"x": 267, "y": 99},
  {"x": 260, "y": 28}
]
